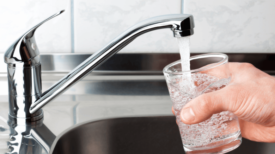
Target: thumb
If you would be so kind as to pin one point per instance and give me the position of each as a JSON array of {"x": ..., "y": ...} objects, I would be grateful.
[{"x": 204, "y": 106}]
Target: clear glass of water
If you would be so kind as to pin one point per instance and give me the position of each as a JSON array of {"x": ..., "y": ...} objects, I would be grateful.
[{"x": 209, "y": 72}]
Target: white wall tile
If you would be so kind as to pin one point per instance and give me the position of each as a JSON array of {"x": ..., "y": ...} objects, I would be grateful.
[
  {"x": 232, "y": 25},
  {"x": 18, "y": 16},
  {"x": 99, "y": 22}
]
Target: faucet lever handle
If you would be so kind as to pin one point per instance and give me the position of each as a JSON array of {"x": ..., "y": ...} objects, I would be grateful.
[{"x": 24, "y": 49}]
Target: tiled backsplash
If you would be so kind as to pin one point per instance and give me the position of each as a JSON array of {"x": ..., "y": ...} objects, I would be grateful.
[
  {"x": 232, "y": 25},
  {"x": 88, "y": 25},
  {"x": 99, "y": 22},
  {"x": 18, "y": 16}
]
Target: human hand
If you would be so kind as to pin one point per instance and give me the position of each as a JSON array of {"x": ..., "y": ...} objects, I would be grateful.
[{"x": 250, "y": 96}]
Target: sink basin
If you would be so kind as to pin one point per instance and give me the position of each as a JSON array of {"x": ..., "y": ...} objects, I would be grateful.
[{"x": 138, "y": 135}]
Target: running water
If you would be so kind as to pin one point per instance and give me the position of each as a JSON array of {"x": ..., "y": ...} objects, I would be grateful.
[{"x": 184, "y": 48}]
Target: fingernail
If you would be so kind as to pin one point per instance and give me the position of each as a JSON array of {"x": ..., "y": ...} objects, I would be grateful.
[{"x": 188, "y": 115}]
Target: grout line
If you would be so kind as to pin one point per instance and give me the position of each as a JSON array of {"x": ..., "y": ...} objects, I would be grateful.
[
  {"x": 182, "y": 6},
  {"x": 72, "y": 26}
]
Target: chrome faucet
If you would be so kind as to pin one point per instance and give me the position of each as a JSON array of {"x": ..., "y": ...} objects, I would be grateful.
[
  {"x": 28, "y": 133},
  {"x": 24, "y": 68}
]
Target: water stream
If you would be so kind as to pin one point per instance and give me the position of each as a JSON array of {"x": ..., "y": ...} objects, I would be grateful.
[{"x": 184, "y": 50}]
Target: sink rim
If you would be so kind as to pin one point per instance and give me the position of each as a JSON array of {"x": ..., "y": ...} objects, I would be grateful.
[{"x": 59, "y": 136}]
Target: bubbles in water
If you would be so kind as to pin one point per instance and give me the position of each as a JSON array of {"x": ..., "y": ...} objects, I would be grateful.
[{"x": 212, "y": 130}]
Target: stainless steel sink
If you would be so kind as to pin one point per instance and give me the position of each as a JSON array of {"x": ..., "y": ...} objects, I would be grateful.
[
  {"x": 127, "y": 85},
  {"x": 139, "y": 135}
]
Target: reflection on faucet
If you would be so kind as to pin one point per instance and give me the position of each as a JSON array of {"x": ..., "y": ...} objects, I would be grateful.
[
  {"x": 29, "y": 137},
  {"x": 24, "y": 68},
  {"x": 24, "y": 78},
  {"x": 4, "y": 134}
]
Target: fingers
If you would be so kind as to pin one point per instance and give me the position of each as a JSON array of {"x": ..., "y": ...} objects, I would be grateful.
[
  {"x": 230, "y": 98},
  {"x": 257, "y": 132},
  {"x": 204, "y": 106}
]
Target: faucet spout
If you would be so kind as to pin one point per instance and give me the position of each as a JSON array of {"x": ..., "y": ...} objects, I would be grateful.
[
  {"x": 24, "y": 68},
  {"x": 181, "y": 24}
]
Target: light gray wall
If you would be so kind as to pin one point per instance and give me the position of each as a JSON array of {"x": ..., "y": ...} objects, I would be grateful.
[
  {"x": 99, "y": 22},
  {"x": 88, "y": 25},
  {"x": 18, "y": 16},
  {"x": 232, "y": 25}
]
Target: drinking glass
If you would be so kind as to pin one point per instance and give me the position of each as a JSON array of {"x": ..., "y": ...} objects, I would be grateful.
[{"x": 209, "y": 72}]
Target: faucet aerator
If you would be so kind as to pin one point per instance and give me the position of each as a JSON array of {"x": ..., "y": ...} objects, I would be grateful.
[{"x": 179, "y": 33}]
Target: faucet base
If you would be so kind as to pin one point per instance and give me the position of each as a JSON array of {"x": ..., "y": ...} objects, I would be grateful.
[{"x": 21, "y": 140}]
